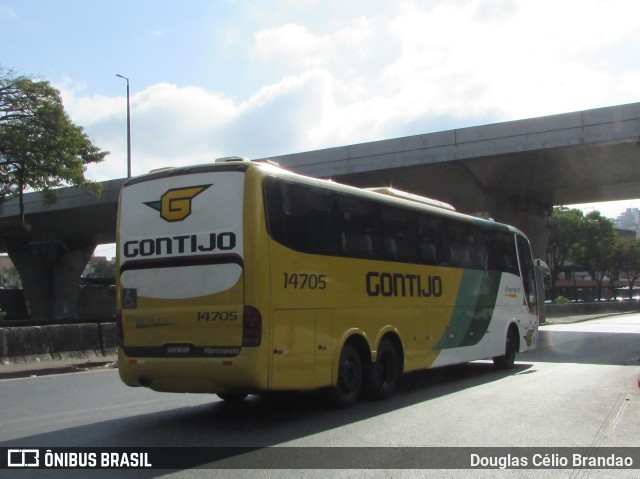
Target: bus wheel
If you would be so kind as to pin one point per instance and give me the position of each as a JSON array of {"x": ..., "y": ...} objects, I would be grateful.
[
  {"x": 506, "y": 361},
  {"x": 347, "y": 390},
  {"x": 232, "y": 398},
  {"x": 385, "y": 372}
]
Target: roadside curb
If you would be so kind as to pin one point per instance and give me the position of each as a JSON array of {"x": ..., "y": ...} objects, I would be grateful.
[
  {"x": 55, "y": 340},
  {"x": 56, "y": 366},
  {"x": 582, "y": 318}
]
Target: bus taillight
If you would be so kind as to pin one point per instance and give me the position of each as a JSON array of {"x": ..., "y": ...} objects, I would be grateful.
[{"x": 251, "y": 326}]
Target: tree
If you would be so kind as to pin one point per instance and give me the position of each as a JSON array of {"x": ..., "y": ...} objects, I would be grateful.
[
  {"x": 616, "y": 263},
  {"x": 567, "y": 226},
  {"x": 630, "y": 253},
  {"x": 40, "y": 147},
  {"x": 102, "y": 268},
  {"x": 596, "y": 247}
]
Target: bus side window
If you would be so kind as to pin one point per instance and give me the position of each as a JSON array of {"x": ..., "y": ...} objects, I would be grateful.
[
  {"x": 300, "y": 217},
  {"x": 528, "y": 273},
  {"x": 460, "y": 255},
  {"x": 356, "y": 220},
  {"x": 501, "y": 252},
  {"x": 358, "y": 245},
  {"x": 398, "y": 234},
  {"x": 428, "y": 254},
  {"x": 319, "y": 227},
  {"x": 275, "y": 209},
  {"x": 477, "y": 249},
  {"x": 431, "y": 241},
  {"x": 465, "y": 243},
  {"x": 296, "y": 212}
]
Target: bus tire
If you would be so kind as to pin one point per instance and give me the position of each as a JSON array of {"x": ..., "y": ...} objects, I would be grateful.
[
  {"x": 349, "y": 385},
  {"x": 385, "y": 372},
  {"x": 507, "y": 360},
  {"x": 232, "y": 398}
]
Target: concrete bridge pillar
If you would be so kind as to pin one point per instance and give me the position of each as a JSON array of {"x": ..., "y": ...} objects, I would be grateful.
[{"x": 50, "y": 273}]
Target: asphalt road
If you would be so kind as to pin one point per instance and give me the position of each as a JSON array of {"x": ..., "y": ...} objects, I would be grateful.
[{"x": 578, "y": 389}]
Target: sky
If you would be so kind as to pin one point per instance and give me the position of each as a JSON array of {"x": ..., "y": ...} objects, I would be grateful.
[{"x": 213, "y": 78}]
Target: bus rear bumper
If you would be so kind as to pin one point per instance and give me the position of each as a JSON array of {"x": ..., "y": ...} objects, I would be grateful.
[{"x": 193, "y": 375}]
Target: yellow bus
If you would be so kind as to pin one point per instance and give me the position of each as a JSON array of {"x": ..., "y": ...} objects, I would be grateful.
[{"x": 240, "y": 277}]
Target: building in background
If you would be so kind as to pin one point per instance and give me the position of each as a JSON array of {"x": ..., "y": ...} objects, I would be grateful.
[{"x": 629, "y": 220}]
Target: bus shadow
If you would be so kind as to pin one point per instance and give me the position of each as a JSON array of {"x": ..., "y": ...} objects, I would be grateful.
[{"x": 259, "y": 421}]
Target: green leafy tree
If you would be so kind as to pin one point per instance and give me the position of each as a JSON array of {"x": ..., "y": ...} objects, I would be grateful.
[
  {"x": 616, "y": 263},
  {"x": 595, "y": 249},
  {"x": 567, "y": 227},
  {"x": 629, "y": 251},
  {"x": 40, "y": 147},
  {"x": 102, "y": 269}
]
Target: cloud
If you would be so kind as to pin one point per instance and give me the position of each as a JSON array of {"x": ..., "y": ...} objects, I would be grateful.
[
  {"x": 420, "y": 67},
  {"x": 294, "y": 48},
  {"x": 293, "y": 43},
  {"x": 524, "y": 60},
  {"x": 174, "y": 126},
  {"x": 170, "y": 126},
  {"x": 283, "y": 117}
]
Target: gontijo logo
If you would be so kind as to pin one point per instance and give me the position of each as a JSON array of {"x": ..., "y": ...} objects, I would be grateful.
[{"x": 175, "y": 204}]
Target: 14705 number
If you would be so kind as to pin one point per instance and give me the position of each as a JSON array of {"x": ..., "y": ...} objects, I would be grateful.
[
  {"x": 217, "y": 315},
  {"x": 305, "y": 281}
]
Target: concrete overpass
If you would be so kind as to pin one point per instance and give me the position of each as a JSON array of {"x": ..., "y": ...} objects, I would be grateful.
[
  {"x": 515, "y": 171},
  {"x": 58, "y": 241}
]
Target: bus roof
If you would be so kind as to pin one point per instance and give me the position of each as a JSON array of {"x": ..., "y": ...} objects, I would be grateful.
[
  {"x": 385, "y": 190},
  {"x": 382, "y": 193}
]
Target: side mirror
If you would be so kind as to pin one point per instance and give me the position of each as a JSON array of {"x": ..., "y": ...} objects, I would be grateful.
[{"x": 544, "y": 268}]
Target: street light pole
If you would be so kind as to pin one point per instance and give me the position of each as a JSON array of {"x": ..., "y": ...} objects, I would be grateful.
[{"x": 128, "y": 128}]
